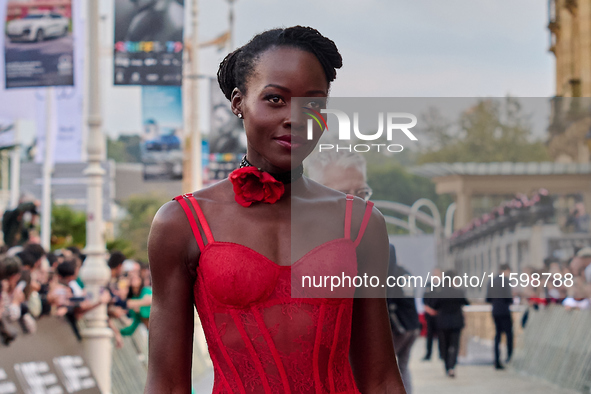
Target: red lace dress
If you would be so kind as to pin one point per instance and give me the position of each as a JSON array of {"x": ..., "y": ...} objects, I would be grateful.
[{"x": 260, "y": 339}]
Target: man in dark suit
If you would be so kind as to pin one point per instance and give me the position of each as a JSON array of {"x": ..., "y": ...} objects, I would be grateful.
[
  {"x": 431, "y": 317},
  {"x": 450, "y": 321},
  {"x": 404, "y": 320},
  {"x": 501, "y": 298}
]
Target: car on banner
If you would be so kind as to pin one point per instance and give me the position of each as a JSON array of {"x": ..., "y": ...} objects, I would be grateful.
[{"x": 36, "y": 27}]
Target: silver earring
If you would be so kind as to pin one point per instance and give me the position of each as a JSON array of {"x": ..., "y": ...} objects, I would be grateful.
[{"x": 240, "y": 116}]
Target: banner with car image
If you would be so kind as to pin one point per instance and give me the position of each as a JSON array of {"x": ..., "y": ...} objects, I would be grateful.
[
  {"x": 148, "y": 47},
  {"x": 161, "y": 149},
  {"x": 39, "y": 44}
]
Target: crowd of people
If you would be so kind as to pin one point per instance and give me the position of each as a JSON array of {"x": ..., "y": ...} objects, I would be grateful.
[
  {"x": 35, "y": 283},
  {"x": 572, "y": 294},
  {"x": 444, "y": 318}
]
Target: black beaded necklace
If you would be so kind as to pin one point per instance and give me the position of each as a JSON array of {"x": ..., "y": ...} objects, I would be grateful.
[{"x": 285, "y": 177}]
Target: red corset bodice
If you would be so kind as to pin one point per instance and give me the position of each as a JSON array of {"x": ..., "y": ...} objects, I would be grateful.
[{"x": 260, "y": 339}]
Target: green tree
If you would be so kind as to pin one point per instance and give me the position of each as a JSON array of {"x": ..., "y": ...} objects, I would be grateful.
[
  {"x": 490, "y": 131},
  {"x": 68, "y": 227},
  {"x": 124, "y": 149},
  {"x": 116, "y": 150},
  {"x": 122, "y": 245},
  {"x": 135, "y": 227},
  {"x": 391, "y": 181}
]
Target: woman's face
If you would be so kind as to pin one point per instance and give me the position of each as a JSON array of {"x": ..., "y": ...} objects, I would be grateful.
[
  {"x": 135, "y": 281},
  {"x": 277, "y": 141}
]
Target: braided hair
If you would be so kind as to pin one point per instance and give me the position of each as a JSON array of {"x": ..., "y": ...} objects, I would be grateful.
[{"x": 237, "y": 67}]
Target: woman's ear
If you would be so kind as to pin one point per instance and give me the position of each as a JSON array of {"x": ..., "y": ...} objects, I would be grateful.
[{"x": 236, "y": 101}]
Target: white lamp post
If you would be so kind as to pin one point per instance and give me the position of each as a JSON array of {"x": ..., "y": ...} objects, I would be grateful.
[
  {"x": 95, "y": 273},
  {"x": 196, "y": 178}
]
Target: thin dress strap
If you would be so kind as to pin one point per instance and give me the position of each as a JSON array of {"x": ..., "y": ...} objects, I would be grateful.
[
  {"x": 201, "y": 218},
  {"x": 348, "y": 215},
  {"x": 348, "y": 211},
  {"x": 182, "y": 200},
  {"x": 366, "y": 216}
]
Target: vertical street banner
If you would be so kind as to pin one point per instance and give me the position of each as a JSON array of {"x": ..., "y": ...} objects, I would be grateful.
[
  {"x": 67, "y": 123},
  {"x": 148, "y": 46},
  {"x": 39, "y": 44},
  {"x": 227, "y": 140},
  {"x": 161, "y": 147}
]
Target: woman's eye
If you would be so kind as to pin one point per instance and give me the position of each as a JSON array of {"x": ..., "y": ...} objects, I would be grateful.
[
  {"x": 315, "y": 104},
  {"x": 274, "y": 99}
]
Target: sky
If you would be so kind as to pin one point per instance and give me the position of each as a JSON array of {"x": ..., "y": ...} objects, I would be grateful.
[{"x": 390, "y": 48}]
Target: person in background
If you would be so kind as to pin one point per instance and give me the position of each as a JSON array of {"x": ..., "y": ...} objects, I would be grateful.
[
  {"x": 29, "y": 263},
  {"x": 77, "y": 256},
  {"x": 578, "y": 219},
  {"x": 17, "y": 223},
  {"x": 131, "y": 267},
  {"x": 49, "y": 280},
  {"x": 139, "y": 301},
  {"x": 450, "y": 321},
  {"x": 580, "y": 264},
  {"x": 431, "y": 317},
  {"x": 115, "y": 264},
  {"x": 117, "y": 308},
  {"x": 346, "y": 172},
  {"x": 69, "y": 299},
  {"x": 12, "y": 297},
  {"x": 145, "y": 273},
  {"x": 578, "y": 299},
  {"x": 31, "y": 287},
  {"x": 501, "y": 299},
  {"x": 404, "y": 320}
]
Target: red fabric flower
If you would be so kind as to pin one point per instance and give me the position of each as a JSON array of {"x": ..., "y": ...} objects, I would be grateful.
[{"x": 253, "y": 185}]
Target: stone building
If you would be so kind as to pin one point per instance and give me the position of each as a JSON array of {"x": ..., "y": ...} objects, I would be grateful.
[{"x": 570, "y": 42}]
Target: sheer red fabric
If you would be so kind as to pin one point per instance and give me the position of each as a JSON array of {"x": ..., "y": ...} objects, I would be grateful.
[{"x": 260, "y": 339}]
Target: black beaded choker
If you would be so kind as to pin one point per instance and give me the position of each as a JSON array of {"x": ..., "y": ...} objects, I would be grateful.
[{"x": 285, "y": 177}]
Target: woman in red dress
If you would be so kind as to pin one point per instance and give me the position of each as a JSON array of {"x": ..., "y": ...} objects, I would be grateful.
[{"x": 231, "y": 249}]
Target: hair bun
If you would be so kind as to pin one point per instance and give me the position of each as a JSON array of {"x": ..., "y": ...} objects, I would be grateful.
[{"x": 237, "y": 66}]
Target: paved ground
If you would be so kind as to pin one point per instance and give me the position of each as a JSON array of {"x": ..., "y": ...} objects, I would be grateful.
[
  {"x": 473, "y": 376},
  {"x": 476, "y": 375}
]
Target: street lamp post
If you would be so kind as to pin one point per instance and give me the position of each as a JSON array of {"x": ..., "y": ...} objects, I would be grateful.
[
  {"x": 196, "y": 177},
  {"x": 95, "y": 273}
]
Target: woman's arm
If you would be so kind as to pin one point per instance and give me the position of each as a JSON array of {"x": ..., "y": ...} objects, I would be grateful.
[
  {"x": 146, "y": 300},
  {"x": 372, "y": 352},
  {"x": 170, "y": 248}
]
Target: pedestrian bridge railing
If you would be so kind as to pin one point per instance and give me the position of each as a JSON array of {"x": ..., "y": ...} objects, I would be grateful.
[{"x": 556, "y": 346}]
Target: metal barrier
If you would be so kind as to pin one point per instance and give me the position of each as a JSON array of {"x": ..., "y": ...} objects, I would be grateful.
[
  {"x": 556, "y": 346},
  {"x": 130, "y": 363}
]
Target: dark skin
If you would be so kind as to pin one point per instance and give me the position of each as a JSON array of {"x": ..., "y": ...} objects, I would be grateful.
[{"x": 280, "y": 73}]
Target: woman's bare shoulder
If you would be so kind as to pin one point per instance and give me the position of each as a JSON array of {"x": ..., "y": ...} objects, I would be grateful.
[
  {"x": 168, "y": 216},
  {"x": 218, "y": 192},
  {"x": 171, "y": 238}
]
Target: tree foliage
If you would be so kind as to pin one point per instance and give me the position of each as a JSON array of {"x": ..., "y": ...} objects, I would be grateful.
[
  {"x": 122, "y": 245},
  {"x": 68, "y": 227},
  {"x": 135, "y": 227},
  {"x": 124, "y": 149},
  {"x": 490, "y": 131},
  {"x": 391, "y": 181}
]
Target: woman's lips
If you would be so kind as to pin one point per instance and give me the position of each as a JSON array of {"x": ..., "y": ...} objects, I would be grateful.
[{"x": 291, "y": 141}]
